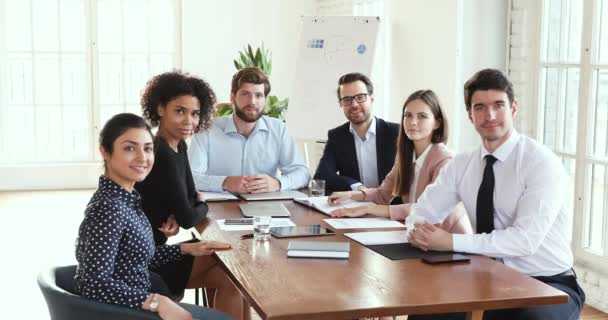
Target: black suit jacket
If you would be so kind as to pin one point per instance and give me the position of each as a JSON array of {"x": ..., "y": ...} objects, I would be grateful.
[{"x": 339, "y": 167}]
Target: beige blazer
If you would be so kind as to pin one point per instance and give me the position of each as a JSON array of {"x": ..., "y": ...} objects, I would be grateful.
[{"x": 438, "y": 156}]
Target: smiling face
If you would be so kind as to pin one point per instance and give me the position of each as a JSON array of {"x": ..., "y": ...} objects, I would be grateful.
[
  {"x": 419, "y": 121},
  {"x": 249, "y": 101},
  {"x": 131, "y": 159},
  {"x": 179, "y": 117},
  {"x": 492, "y": 115},
  {"x": 356, "y": 112}
]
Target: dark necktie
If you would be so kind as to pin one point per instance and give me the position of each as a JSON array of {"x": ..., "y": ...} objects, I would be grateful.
[{"x": 485, "y": 202}]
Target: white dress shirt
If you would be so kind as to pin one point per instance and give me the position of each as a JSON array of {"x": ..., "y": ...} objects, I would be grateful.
[
  {"x": 366, "y": 156},
  {"x": 531, "y": 222},
  {"x": 221, "y": 151},
  {"x": 417, "y": 166}
]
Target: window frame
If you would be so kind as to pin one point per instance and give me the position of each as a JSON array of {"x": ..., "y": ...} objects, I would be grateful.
[
  {"x": 584, "y": 126},
  {"x": 71, "y": 173}
]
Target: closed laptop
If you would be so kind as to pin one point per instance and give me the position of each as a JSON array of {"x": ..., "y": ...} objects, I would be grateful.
[{"x": 272, "y": 209}]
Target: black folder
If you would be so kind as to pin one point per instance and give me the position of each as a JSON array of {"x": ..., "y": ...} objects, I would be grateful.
[{"x": 399, "y": 251}]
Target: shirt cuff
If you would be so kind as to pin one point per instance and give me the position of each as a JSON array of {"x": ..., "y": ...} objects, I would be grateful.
[
  {"x": 283, "y": 183},
  {"x": 463, "y": 242},
  {"x": 355, "y": 186}
]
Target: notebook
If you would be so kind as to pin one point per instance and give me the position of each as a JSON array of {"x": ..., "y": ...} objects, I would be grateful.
[
  {"x": 321, "y": 204},
  {"x": 279, "y": 195},
  {"x": 272, "y": 209},
  {"x": 219, "y": 196},
  {"x": 318, "y": 249}
]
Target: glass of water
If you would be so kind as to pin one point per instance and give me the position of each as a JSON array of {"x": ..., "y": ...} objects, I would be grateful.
[
  {"x": 317, "y": 188},
  {"x": 261, "y": 227}
]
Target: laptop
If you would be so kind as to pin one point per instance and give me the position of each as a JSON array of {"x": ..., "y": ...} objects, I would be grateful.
[
  {"x": 280, "y": 195},
  {"x": 271, "y": 209}
]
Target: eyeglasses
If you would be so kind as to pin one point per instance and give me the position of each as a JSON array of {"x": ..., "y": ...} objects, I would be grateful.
[{"x": 348, "y": 100}]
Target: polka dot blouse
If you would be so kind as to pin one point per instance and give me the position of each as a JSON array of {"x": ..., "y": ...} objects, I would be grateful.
[{"x": 115, "y": 246}]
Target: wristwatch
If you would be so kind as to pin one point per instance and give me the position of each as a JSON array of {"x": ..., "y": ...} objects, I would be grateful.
[{"x": 154, "y": 303}]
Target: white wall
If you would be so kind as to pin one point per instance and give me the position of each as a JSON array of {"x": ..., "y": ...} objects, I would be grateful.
[
  {"x": 215, "y": 30},
  {"x": 438, "y": 45},
  {"x": 483, "y": 45},
  {"x": 435, "y": 44}
]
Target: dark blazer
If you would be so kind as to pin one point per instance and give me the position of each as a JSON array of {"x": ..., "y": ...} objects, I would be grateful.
[{"x": 339, "y": 167}]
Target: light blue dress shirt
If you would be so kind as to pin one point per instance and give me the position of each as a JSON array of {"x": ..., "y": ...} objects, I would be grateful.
[{"x": 221, "y": 152}]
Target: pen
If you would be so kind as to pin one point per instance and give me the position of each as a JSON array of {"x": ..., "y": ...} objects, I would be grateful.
[{"x": 247, "y": 236}]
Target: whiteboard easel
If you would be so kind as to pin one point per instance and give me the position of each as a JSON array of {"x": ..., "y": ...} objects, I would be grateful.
[{"x": 329, "y": 47}]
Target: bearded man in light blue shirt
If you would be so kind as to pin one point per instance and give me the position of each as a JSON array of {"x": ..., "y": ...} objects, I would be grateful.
[{"x": 242, "y": 152}]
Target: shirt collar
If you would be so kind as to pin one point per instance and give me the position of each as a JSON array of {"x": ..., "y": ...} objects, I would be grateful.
[
  {"x": 504, "y": 150},
  {"x": 420, "y": 160},
  {"x": 370, "y": 131},
  {"x": 113, "y": 189},
  {"x": 260, "y": 124}
]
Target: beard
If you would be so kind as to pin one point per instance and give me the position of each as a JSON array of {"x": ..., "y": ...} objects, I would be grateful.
[
  {"x": 358, "y": 120},
  {"x": 247, "y": 117}
]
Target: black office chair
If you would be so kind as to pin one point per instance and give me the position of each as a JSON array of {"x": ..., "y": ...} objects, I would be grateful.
[{"x": 58, "y": 287}]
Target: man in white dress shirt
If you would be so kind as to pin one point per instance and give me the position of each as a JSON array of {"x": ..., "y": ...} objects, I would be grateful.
[{"x": 513, "y": 189}]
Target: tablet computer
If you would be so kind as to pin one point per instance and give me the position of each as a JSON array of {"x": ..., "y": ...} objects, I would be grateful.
[{"x": 301, "y": 231}]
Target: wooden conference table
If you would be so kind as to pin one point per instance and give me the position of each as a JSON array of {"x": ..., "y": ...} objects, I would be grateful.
[{"x": 367, "y": 284}]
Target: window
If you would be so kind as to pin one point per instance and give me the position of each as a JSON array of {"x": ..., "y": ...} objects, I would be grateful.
[
  {"x": 573, "y": 95},
  {"x": 66, "y": 66}
]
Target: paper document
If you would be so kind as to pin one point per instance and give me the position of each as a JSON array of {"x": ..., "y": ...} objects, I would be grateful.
[
  {"x": 321, "y": 204},
  {"x": 378, "y": 237},
  {"x": 219, "y": 196},
  {"x": 363, "y": 223},
  {"x": 276, "y": 222}
]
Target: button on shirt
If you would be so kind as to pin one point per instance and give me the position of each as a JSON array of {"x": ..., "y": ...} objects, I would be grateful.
[
  {"x": 115, "y": 247},
  {"x": 418, "y": 162},
  {"x": 531, "y": 222},
  {"x": 221, "y": 152},
  {"x": 366, "y": 156}
]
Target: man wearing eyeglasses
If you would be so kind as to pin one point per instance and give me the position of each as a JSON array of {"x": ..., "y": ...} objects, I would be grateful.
[{"x": 361, "y": 152}]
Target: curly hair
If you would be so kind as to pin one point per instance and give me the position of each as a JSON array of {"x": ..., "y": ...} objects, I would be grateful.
[{"x": 163, "y": 88}]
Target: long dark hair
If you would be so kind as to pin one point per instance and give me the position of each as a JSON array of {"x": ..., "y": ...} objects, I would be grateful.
[{"x": 405, "y": 146}]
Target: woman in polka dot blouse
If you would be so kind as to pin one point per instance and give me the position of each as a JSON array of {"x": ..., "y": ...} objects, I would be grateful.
[
  {"x": 180, "y": 104},
  {"x": 115, "y": 245}
]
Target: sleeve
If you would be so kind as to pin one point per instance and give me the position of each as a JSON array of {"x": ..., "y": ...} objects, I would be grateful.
[
  {"x": 101, "y": 233},
  {"x": 438, "y": 198},
  {"x": 165, "y": 254},
  {"x": 294, "y": 173},
  {"x": 198, "y": 155},
  {"x": 384, "y": 192},
  {"x": 328, "y": 169},
  {"x": 178, "y": 203},
  {"x": 401, "y": 211},
  {"x": 538, "y": 207}
]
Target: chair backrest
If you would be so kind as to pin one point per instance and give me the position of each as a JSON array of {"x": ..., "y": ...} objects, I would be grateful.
[{"x": 58, "y": 287}]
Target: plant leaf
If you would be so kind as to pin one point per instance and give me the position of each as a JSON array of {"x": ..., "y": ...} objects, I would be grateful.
[
  {"x": 258, "y": 59},
  {"x": 250, "y": 53}
]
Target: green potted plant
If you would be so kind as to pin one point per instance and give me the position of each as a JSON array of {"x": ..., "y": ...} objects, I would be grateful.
[{"x": 260, "y": 58}]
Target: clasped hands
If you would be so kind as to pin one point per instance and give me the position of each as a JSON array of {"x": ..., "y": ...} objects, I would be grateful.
[
  {"x": 427, "y": 236},
  {"x": 258, "y": 183}
]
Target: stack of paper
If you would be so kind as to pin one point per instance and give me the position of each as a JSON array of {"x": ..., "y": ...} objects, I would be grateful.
[
  {"x": 321, "y": 204},
  {"x": 363, "y": 223},
  {"x": 318, "y": 249}
]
